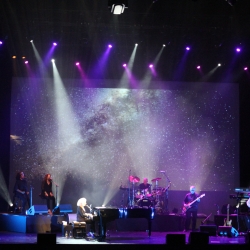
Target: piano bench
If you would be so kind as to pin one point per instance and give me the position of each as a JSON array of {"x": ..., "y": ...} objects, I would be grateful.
[
  {"x": 79, "y": 229},
  {"x": 71, "y": 218}
]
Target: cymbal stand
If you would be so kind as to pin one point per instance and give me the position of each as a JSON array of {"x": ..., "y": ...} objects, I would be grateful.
[
  {"x": 157, "y": 193},
  {"x": 123, "y": 199},
  {"x": 129, "y": 198},
  {"x": 133, "y": 195}
]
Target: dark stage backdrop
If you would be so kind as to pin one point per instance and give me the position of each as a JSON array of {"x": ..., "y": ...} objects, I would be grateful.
[{"x": 92, "y": 139}]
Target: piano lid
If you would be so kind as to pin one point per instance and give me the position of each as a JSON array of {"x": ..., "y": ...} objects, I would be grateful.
[
  {"x": 241, "y": 196},
  {"x": 242, "y": 190},
  {"x": 99, "y": 208}
]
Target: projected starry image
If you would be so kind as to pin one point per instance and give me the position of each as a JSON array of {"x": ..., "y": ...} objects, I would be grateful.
[{"x": 92, "y": 139}]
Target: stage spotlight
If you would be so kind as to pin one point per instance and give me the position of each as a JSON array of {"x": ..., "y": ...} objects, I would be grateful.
[
  {"x": 219, "y": 64},
  {"x": 136, "y": 44},
  {"x": 238, "y": 50},
  {"x": 110, "y": 46},
  {"x": 151, "y": 66},
  {"x": 164, "y": 45},
  {"x": 11, "y": 208},
  {"x": 232, "y": 2},
  {"x": 55, "y": 44},
  {"x": 117, "y": 7},
  {"x": 14, "y": 57},
  {"x": 31, "y": 41},
  {"x": 77, "y": 63},
  {"x": 1, "y": 42},
  {"x": 124, "y": 65},
  {"x": 245, "y": 68},
  {"x": 53, "y": 60},
  {"x": 198, "y": 67},
  {"x": 187, "y": 48},
  {"x": 26, "y": 62}
]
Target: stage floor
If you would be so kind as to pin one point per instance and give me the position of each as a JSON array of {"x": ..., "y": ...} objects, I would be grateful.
[{"x": 114, "y": 238}]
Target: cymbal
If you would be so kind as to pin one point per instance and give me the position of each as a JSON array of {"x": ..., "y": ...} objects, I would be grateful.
[
  {"x": 156, "y": 179},
  {"x": 134, "y": 178}
]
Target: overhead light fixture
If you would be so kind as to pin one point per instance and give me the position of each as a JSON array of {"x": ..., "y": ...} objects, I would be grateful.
[
  {"x": 117, "y": 7},
  {"x": 232, "y": 2}
]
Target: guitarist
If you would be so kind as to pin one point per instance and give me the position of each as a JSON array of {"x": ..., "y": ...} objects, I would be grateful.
[{"x": 191, "y": 210}]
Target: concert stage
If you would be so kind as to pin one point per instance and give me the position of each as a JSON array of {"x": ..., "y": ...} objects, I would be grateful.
[
  {"x": 161, "y": 223},
  {"x": 21, "y": 229},
  {"x": 31, "y": 223},
  {"x": 46, "y": 223},
  {"x": 121, "y": 240}
]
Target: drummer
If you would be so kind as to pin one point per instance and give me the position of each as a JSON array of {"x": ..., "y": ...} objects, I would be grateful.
[{"x": 145, "y": 187}]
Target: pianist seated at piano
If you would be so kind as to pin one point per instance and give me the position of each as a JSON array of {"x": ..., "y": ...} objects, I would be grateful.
[{"x": 83, "y": 216}]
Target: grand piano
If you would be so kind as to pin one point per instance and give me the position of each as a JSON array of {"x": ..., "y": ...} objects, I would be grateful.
[
  {"x": 241, "y": 196},
  {"x": 107, "y": 214}
]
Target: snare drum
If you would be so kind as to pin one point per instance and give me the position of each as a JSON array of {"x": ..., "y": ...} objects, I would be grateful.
[
  {"x": 145, "y": 203},
  {"x": 145, "y": 193},
  {"x": 138, "y": 194}
]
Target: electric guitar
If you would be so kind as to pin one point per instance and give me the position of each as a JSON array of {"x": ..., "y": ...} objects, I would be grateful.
[
  {"x": 227, "y": 222},
  {"x": 187, "y": 206}
]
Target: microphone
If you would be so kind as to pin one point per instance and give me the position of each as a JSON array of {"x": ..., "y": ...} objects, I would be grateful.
[
  {"x": 162, "y": 171},
  {"x": 89, "y": 207},
  {"x": 54, "y": 182}
]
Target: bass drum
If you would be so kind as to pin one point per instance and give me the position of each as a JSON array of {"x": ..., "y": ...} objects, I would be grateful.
[{"x": 145, "y": 203}]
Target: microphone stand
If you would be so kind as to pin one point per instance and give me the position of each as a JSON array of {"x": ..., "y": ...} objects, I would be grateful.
[
  {"x": 204, "y": 221},
  {"x": 56, "y": 191},
  {"x": 89, "y": 207},
  {"x": 31, "y": 188},
  {"x": 237, "y": 209},
  {"x": 166, "y": 193}
]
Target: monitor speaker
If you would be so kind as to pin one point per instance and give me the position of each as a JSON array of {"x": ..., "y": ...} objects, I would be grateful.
[
  {"x": 176, "y": 239},
  {"x": 198, "y": 238},
  {"x": 210, "y": 229},
  {"x": 227, "y": 231},
  {"x": 37, "y": 209},
  {"x": 46, "y": 239},
  {"x": 65, "y": 208}
]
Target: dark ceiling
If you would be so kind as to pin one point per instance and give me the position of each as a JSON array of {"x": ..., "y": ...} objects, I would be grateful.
[{"x": 84, "y": 27}]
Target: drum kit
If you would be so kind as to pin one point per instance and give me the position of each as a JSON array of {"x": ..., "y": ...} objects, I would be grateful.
[{"x": 148, "y": 197}]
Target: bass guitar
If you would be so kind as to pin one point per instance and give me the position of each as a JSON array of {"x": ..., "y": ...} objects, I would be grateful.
[
  {"x": 187, "y": 206},
  {"x": 227, "y": 222}
]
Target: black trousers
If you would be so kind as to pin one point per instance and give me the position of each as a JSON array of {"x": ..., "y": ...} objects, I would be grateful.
[
  {"x": 23, "y": 198},
  {"x": 191, "y": 214},
  {"x": 50, "y": 201}
]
